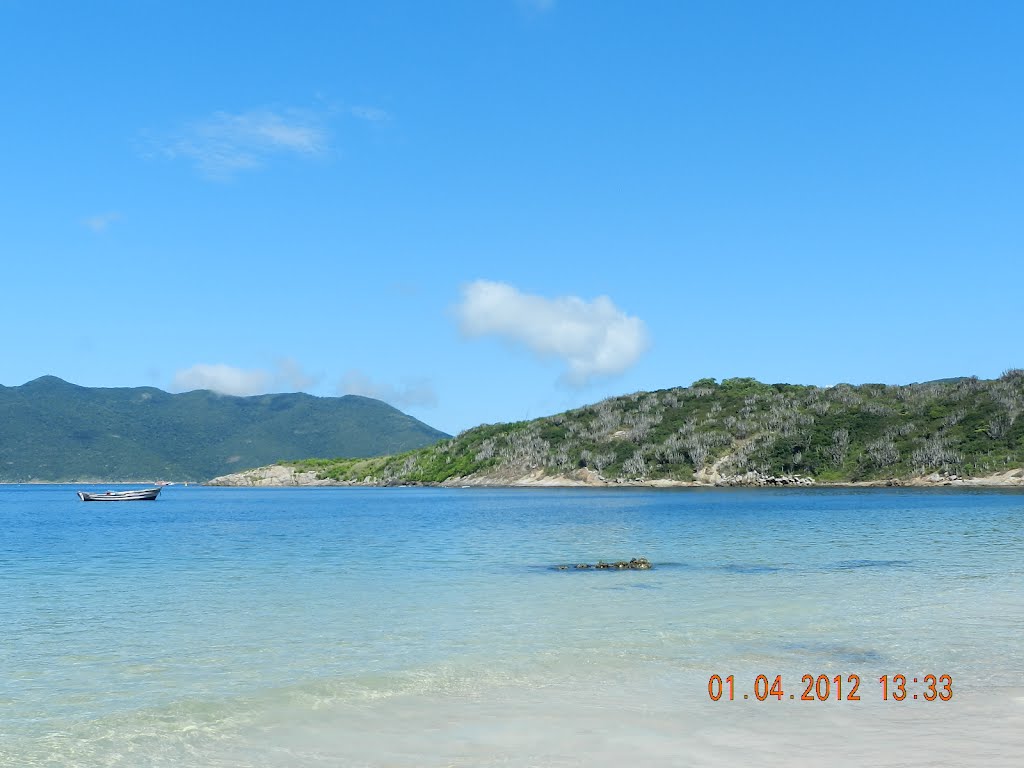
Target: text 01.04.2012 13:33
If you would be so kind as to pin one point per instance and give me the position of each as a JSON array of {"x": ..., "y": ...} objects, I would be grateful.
[{"x": 898, "y": 687}]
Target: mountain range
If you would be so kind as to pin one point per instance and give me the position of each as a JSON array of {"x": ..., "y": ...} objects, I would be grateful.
[{"x": 53, "y": 431}]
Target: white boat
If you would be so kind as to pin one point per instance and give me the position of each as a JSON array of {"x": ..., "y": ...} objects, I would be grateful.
[{"x": 144, "y": 494}]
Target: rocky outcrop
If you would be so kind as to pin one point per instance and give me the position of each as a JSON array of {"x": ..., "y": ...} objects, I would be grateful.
[
  {"x": 636, "y": 564},
  {"x": 1010, "y": 478},
  {"x": 274, "y": 475},
  {"x": 288, "y": 477},
  {"x": 759, "y": 479},
  {"x": 537, "y": 477}
]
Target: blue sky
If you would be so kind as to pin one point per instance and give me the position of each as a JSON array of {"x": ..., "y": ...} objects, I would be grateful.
[{"x": 491, "y": 210}]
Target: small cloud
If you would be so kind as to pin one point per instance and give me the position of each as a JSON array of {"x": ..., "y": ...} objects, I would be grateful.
[
  {"x": 101, "y": 221},
  {"x": 287, "y": 375},
  {"x": 371, "y": 114},
  {"x": 592, "y": 338},
  {"x": 290, "y": 375},
  {"x": 223, "y": 379},
  {"x": 417, "y": 392},
  {"x": 224, "y": 143}
]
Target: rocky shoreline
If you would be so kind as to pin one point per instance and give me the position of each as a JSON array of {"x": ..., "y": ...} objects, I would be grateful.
[{"x": 288, "y": 477}]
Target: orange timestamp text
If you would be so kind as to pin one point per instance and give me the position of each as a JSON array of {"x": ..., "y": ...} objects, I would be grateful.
[{"x": 898, "y": 687}]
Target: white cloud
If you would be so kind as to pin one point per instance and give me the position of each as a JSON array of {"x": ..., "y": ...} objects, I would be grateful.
[
  {"x": 101, "y": 221},
  {"x": 290, "y": 375},
  {"x": 413, "y": 392},
  {"x": 592, "y": 338},
  {"x": 287, "y": 375},
  {"x": 221, "y": 378},
  {"x": 225, "y": 143},
  {"x": 372, "y": 114}
]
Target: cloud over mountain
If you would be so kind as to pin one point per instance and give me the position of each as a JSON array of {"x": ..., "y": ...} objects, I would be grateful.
[
  {"x": 412, "y": 393},
  {"x": 287, "y": 375},
  {"x": 224, "y": 379}
]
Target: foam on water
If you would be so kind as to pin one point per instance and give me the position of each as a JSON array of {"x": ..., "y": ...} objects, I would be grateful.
[{"x": 415, "y": 627}]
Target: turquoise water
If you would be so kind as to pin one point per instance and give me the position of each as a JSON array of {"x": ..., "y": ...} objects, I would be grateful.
[{"x": 427, "y": 627}]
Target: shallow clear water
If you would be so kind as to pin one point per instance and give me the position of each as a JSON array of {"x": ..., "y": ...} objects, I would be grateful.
[{"x": 427, "y": 627}]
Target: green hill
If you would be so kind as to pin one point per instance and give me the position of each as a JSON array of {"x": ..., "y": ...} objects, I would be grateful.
[
  {"x": 51, "y": 430},
  {"x": 710, "y": 431}
]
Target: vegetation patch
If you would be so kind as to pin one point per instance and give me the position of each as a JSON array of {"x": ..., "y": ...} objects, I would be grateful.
[{"x": 844, "y": 433}]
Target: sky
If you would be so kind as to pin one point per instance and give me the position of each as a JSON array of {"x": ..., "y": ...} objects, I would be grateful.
[{"x": 493, "y": 210}]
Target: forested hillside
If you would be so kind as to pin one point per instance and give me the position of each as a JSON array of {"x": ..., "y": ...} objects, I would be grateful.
[
  {"x": 713, "y": 430},
  {"x": 51, "y": 430}
]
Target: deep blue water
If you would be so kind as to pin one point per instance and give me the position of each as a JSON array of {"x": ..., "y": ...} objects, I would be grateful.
[{"x": 189, "y": 629}]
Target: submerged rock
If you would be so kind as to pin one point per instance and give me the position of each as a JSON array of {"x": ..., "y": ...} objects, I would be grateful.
[{"x": 636, "y": 564}]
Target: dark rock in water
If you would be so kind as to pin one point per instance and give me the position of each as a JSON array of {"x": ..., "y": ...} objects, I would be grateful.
[{"x": 636, "y": 564}]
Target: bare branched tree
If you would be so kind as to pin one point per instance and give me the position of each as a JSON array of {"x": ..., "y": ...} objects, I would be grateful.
[
  {"x": 698, "y": 453},
  {"x": 935, "y": 452},
  {"x": 954, "y": 418},
  {"x": 883, "y": 452},
  {"x": 840, "y": 446},
  {"x": 486, "y": 451},
  {"x": 635, "y": 465},
  {"x": 998, "y": 426}
]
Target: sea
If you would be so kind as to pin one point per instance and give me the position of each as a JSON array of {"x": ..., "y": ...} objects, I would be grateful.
[{"x": 428, "y": 627}]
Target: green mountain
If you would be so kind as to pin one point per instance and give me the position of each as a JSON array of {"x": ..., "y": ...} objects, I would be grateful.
[
  {"x": 736, "y": 429},
  {"x": 51, "y": 430}
]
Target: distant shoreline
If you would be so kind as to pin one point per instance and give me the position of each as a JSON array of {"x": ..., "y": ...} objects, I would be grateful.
[
  {"x": 96, "y": 482},
  {"x": 277, "y": 476}
]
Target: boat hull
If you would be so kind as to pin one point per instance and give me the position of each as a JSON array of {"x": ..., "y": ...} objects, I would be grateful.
[{"x": 145, "y": 494}]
